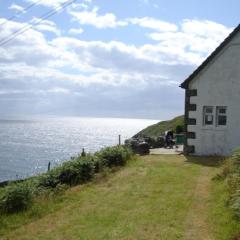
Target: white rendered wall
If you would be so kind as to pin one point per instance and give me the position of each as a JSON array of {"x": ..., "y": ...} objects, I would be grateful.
[{"x": 218, "y": 85}]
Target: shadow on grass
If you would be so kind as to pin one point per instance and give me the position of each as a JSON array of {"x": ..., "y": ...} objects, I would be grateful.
[{"x": 212, "y": 161}]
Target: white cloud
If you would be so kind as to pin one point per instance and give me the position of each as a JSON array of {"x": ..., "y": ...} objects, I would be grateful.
[
  {"x": 17, "y": 8},
  {"x": 107, "y": 20},
  {"x": 75, "y": 31},
  {"x": 194, "y": 36},
  {"x": 152, "y": 23},
  {"x": 83, "y": 5},
  {"x": 65, "y": 64},
  {"x": 31, "y": 65},
  {"x": 205, "y": 28},
  {"x": 45, "y": 25}
]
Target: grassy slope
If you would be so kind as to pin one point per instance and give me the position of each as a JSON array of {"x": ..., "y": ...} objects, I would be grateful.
[
  {"x": 223, "y": 224},
  {"x": 159, "y": 128},
  {"x": 148, "y": 199}
]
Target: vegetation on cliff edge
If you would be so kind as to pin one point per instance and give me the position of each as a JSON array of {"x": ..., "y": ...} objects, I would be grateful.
[{"x": 157, "y": 129}]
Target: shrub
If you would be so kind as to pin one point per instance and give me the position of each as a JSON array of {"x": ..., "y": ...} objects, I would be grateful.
[
  {"x": 114, "y": 156},
  {"x": 15, "y": 198},
  {"x": 235, "y": 203},
  {"x": 81, "y": 169},
  {"x": 77, "y": 171},
  {"x": 231, "y": 171},
  {"x": 99, "y": 164},
  {"x": 48, "y": 180},
  {"x": 179, "y": 129}
]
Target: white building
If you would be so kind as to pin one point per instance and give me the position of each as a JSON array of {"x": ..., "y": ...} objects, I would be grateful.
[{"x": 212, "y": 101}]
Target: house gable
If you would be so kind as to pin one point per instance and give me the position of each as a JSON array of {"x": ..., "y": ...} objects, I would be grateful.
[{"x": 211, "y": 57}]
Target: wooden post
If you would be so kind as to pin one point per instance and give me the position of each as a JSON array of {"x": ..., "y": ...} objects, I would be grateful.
[
  {"x": 49, "y": 166},
  {"x": 119, "y": 140}
]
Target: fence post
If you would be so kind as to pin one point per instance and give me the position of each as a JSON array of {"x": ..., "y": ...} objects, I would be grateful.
[{"x": 49, "y": 166}]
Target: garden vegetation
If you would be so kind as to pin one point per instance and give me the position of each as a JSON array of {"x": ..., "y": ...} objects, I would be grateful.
[
  {"x": 231, "y": 173},
  {"x": 17, "y": 197}
]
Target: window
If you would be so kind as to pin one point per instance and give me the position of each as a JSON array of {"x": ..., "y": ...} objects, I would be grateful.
[
  {"x": 207, "y": 115},
  {"x": 221, "y": 113}
]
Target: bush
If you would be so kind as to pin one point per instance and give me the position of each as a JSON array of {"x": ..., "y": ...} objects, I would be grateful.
[
  {"x": 15, "y": 198},
  {"x": 179, "y": 129},
  {"x": 231, "y": 171},
  {"x": 48, "y": 180},
  {"x": 114, "y": 156},
  {"x": 99, "y": 164},
  {"x": 77, "y": 171}
]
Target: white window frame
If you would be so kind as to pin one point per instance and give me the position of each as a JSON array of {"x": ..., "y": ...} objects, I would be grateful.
[
  {"x": 219, "y": 114},
  {"x": 208, "y": 114}
]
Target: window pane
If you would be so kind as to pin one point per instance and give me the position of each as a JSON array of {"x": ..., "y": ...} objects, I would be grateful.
[
  {"x": 208, "y": 120},
  {"x": 222, "y": 110},
  {"x": 208, "y": 109},
  {"x": 222, "y": 120}
]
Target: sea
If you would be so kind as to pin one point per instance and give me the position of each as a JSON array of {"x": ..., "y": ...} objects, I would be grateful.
[{"x": 27, "y": 145}]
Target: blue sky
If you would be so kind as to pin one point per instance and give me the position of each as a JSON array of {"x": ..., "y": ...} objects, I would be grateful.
[{"x": 106, "y": 58}]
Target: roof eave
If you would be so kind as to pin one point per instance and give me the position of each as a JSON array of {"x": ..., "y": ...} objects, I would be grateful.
[{"x": 210, "y": 57}]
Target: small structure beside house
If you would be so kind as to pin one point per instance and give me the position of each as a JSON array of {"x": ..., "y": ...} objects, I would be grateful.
[{"x": 212, "y": 101}]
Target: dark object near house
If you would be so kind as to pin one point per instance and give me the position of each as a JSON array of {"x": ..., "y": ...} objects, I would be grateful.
[
  {"x": 160, "y": 142},
  {"x": 143, "y": 148},
  {"x": 138, "y": 146},
  {"x": 155, "y": 142},
  {"x": 169, "y": 143}
]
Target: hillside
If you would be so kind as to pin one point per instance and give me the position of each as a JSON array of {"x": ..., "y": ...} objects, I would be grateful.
[{"x": 157, "y": 129}]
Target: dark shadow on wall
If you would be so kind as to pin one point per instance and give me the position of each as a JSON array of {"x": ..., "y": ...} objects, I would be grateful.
[{"x": 209, "y": 161}]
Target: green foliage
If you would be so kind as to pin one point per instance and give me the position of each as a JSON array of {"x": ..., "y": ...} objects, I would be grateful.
[
  {"x": 114, "y": 156},
  {"x": 231, "y": 172},
  {"x": 15, "y": 198},
  {"x": 179, "y": 129},
  {"x": 78, "y": 170},
  {"x": 158, "y": 129},
  {"x": 99, "y": 164},
  {"x": 48, "y": 180},
  {"x": 235, "y": 203}
]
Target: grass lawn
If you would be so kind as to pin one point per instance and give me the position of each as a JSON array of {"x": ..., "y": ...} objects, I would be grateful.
[{"x": 153, "y": 197}]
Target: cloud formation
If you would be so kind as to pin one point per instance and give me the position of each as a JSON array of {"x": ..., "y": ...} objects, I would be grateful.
[
  {"x": 17, "y": 8},
  {"x": 92, "y": 17},
  {"x": 90, "y": 74},
  {"x": 155, "y": 24}
]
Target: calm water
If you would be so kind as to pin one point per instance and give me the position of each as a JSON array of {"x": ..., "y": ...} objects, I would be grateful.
[{"x": 26, "y": 146}]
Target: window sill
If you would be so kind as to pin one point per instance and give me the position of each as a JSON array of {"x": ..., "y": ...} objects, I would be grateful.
[{"x": 214, "y": 128}]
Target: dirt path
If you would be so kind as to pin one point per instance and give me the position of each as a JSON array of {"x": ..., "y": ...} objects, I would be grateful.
[{"x": 197, "y": 227}]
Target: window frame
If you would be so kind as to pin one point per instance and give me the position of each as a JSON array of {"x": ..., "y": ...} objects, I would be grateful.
[
  {"x": 205, "y": 114},
  {"x": 221, "y": 114}
]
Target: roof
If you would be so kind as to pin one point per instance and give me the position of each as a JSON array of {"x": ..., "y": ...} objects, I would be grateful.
[{"x": 211, "y": 57}]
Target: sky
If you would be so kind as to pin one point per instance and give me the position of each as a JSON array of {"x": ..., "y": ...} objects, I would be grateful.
[{"x": 105, "y": 58}]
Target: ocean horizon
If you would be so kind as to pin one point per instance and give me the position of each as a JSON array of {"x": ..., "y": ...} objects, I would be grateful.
[{"x": 28, "y": 144}]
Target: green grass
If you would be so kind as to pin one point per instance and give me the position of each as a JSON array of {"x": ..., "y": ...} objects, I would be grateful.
[
  {"x": 157, "y": 129},
  {"x": 224, "y": 224},
  {"x": 148, "y": 199}
]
